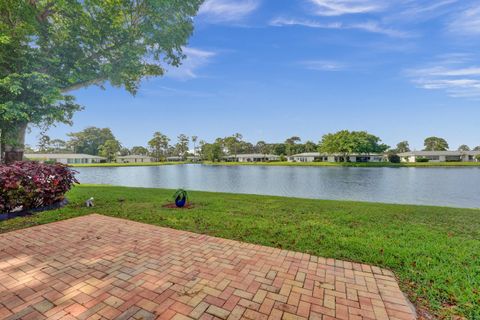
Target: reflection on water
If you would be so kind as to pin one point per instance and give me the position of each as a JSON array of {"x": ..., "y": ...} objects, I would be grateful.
[{"x": 457, "y": 187}]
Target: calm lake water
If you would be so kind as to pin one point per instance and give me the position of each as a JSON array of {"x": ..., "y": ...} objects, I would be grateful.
[{"x": 455, "y": 187}]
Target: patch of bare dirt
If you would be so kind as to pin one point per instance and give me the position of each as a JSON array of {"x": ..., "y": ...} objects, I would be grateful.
[{"x": 173, "y": 206}]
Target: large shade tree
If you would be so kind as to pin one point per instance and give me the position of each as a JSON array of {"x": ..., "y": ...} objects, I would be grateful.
[
  {"x": 291, "y": 145},
  {"x": 262, "y": 147},
  {"x": 463, "y": 147},
  {"x": 110, "y": 149},
  {"x": 159, "y": 145},
  {"x": 139, "y": 150},
  {"x": 90, "y": 140},
  {"x": 402, "y": 146},
  {"x": 49, "y": 48},
  {"x": 348, "y": 142},
  {"x": 435, "y": 144},
  {"x": 212, "y": 151}
]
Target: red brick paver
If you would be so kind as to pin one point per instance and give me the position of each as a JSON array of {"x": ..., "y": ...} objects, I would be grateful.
[{"x": 98, "y": 267}]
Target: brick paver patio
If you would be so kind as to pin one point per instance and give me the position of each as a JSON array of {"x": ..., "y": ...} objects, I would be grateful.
[{"x": 98, "y": 267}]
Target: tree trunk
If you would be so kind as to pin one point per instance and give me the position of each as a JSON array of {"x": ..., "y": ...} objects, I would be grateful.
[{"x": 14, "y": 143}]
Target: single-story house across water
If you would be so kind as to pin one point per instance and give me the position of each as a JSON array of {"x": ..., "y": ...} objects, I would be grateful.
[
  {"x": 324, "y": 157},
  {"x": 65, "y": 158},
  {"x": 175, "y": 159},
  {"x": 252, "y": 157},
  {"x": 134, "y": 158},
  {"x": 307, "y": 157},
  {"x": 440, "y": 156}
]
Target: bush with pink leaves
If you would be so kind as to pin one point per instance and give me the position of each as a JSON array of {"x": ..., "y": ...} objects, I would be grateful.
[{"x": 30, "y": 185}]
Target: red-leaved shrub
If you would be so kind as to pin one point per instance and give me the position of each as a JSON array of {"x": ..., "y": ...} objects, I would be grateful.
[{"x": 32, "y": 185}]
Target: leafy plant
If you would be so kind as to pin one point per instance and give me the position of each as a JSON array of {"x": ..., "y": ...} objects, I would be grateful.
[
  {"x": 33, "y": 185},
  {"x": 50, "y": 48},
  {"x": 180, "y": 194},
  {"x": 393, "y": 158}
]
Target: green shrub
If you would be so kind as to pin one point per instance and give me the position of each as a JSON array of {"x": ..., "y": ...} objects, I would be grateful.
[
  {"x": 421, "y": 159},
  {"x": 393, "y": 158}
]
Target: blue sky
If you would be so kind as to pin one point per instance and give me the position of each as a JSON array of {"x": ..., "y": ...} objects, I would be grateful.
[{"x": 270, "y": 69}]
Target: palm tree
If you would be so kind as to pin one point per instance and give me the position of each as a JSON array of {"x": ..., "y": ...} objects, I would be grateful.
[
  {"x": 194, "y": 140},
  {"x": 238, "y": 137}
]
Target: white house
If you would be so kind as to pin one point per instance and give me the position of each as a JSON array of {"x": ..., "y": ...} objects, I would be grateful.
[
  {"x": 324, "y": 157},
  {"x": 308, "y": 157},
  {"x": 135, "y": 158},
  {"x": 194, "y": 158},
  {"x": 175, "y": 159},
  {"x": 440, "y": 156},
  {"x": 65, "y": 158},
  {"x": 252, "y": 157}
]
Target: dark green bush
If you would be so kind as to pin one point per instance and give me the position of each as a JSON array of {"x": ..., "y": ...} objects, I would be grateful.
[{"x": 393, "y": 158}]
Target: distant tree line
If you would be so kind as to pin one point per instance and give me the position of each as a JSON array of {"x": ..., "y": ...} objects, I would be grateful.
[{"x": 102, "y": 142}]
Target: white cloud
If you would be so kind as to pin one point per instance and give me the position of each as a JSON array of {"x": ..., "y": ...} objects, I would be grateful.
[
  {"x": 415, "y": 9},
  {"x": 323, "y": 65},
  {"x": 368, "y": 26},
  {"x": 282, "y": 22},
  {"x": 462, "y": 72},
  {"x": 451, "y": 76},
  {"x": 466, "y": 22},
  {"x": 195, "y": 60},
  {"x": 375, "y": 27},
  {"x": 455, "y": 58},
  {"x": 341, "y": 7},
  {"x": 227, "y": 10}
]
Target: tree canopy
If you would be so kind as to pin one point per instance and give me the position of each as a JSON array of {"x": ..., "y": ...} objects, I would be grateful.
[
  {"x": 181, "y": 148},
  {"x": 435, "y": 144},
  {"x": 90, "y": 140},
  {"x": 109, "y": 149},
  {"x": 212, "y": 151},
  {"x": 139, "y": 150},
  {"x": 49, "y": 48},
  {"x": 347, "y": 142},
  {"x": 159, "y": 145},
  {"x": 402, "y": 146},
  {"x": 464, "y": 147}
]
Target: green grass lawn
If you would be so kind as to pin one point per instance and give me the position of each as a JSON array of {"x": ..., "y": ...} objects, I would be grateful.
[
  {"x": 285, "y": 163},
  {"x": 349, "y": 164},
  {"x": 434, "y": 251},
  {"x": 114, "y": 164}
]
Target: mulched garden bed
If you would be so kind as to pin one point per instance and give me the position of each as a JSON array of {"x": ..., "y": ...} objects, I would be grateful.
[
  {"x": 29, "y": 212},
  {"x": 173, "y": 206}
]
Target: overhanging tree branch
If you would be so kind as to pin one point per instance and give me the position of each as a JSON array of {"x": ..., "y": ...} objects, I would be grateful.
[{"x": 82, "y": 84}]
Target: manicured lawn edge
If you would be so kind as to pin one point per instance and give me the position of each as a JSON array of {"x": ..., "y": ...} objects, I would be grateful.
[
  {"x": 292, "y": 164},
  {"x": 349, "y": 164},
  {"x": 434, "y": 251},
  {"x": 113, "y": 164}
]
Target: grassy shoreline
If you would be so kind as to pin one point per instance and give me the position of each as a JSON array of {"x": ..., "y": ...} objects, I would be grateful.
[
  {"x": 349, "y": 164},
  {"x": 114, "y": 164},
  {"x": 293, "y": 164},
  {"x": 434, "y": 251}
]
